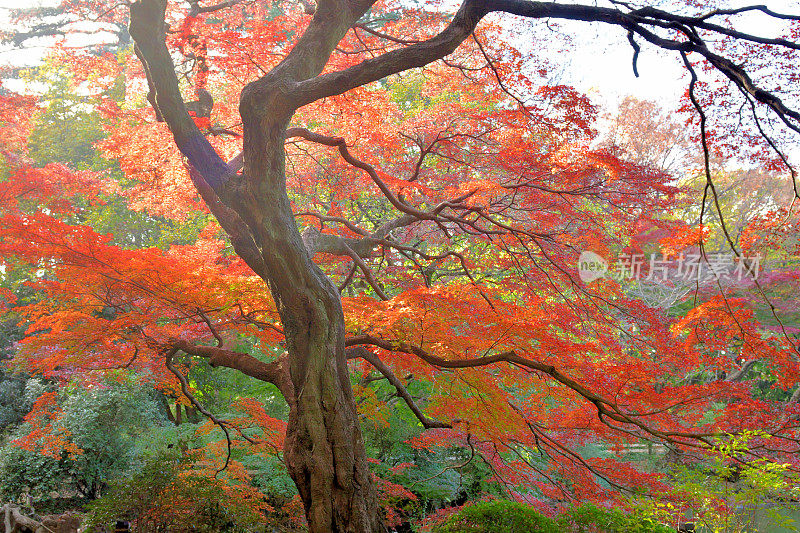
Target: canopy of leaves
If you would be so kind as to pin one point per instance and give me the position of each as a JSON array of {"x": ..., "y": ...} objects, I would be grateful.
[{"x": 450, "y": 205}]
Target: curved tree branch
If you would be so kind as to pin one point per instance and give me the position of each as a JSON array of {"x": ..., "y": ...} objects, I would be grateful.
[
  {"x": 361, "y": 352},
  {"x": 605, "y": 407},
  {"x": 641, "y": 22},
  {"x": 223, "y": 425},
  {"x": 274, "y": 372}
]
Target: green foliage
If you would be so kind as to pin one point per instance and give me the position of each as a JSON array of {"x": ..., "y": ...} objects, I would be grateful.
[
  {"x": 65, "y": 132},
  {"x": 163, "y": 496},
  {"x": 134, "y": 229},
  {"x": 67, "y": 128},
  {"x": 270, "y": 476},
  {"x": 732, "y": 492},
  {"x": 26, "y": 472},
  {"x": 12, "y": 399},
  {"x": 437, "y": 475},
  {"x": 497, "y": 517},
  {"x": 219, "y": 388},
  {"x": 588, "y": 518},
  {"x": 17, "y": 394},
  {"x": 103, "y": 423},
  {"x": 17, "y": 390}
]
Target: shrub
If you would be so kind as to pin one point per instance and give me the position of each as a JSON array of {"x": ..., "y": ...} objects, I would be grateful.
[
  {"x": 497, "y": 517},
  {"x": 588, "y": 518}
]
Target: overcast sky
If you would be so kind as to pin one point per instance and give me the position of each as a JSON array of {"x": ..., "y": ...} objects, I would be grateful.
[{"x": 600, "y": 64}]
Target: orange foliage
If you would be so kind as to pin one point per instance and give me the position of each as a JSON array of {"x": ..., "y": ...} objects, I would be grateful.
[{"x": 525, "y": 194}]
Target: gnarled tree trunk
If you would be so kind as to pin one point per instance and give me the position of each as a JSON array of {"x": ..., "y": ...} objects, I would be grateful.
[{"x": 324, "y": 449}]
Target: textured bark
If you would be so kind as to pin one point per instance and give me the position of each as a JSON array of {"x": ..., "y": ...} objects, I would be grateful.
[{"x": 324, "y": 450}]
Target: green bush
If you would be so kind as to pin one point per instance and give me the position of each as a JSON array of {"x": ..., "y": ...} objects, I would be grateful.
[
  {"x": 497, "y": 517},
  {"x": 588, "y": 518},
  {"x": 104, "y": 423},
  {"x": 27, "y": 472}
]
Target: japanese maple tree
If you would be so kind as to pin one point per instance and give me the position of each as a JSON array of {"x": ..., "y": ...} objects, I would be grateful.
[{"x": 401, "y": 191}]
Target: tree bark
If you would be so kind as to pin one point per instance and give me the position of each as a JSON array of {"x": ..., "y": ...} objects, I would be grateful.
[{"x": 324, "y": 449}]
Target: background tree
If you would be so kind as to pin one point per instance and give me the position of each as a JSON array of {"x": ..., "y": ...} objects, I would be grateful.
[
  {"x": 649, "y": 136},
  {"x": 98, "y": 428}
]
